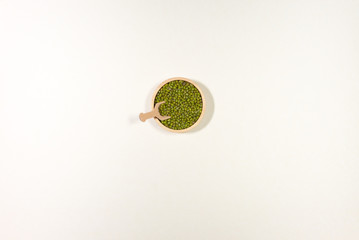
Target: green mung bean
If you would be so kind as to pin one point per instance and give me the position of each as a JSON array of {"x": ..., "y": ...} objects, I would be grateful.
[{"x": 183, "y": 103}]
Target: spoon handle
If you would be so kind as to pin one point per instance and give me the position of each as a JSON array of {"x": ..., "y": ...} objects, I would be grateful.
[{"x": 148, "y": 115}]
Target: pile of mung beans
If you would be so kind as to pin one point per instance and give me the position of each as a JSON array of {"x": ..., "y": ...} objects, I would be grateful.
[{"x": 183, "y": 103}]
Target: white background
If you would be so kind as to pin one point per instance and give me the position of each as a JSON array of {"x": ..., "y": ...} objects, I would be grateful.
[{"x": 279, "y": 158}]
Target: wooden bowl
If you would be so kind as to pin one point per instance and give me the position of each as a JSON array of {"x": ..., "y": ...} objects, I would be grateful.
[{"x": 203, "y": 104}]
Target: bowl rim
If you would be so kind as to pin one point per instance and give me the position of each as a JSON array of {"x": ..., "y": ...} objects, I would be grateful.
[{"x": 203, "y": 104}]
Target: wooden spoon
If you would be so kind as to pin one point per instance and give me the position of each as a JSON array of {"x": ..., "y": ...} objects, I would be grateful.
[{"x": 154, "y": 113}]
